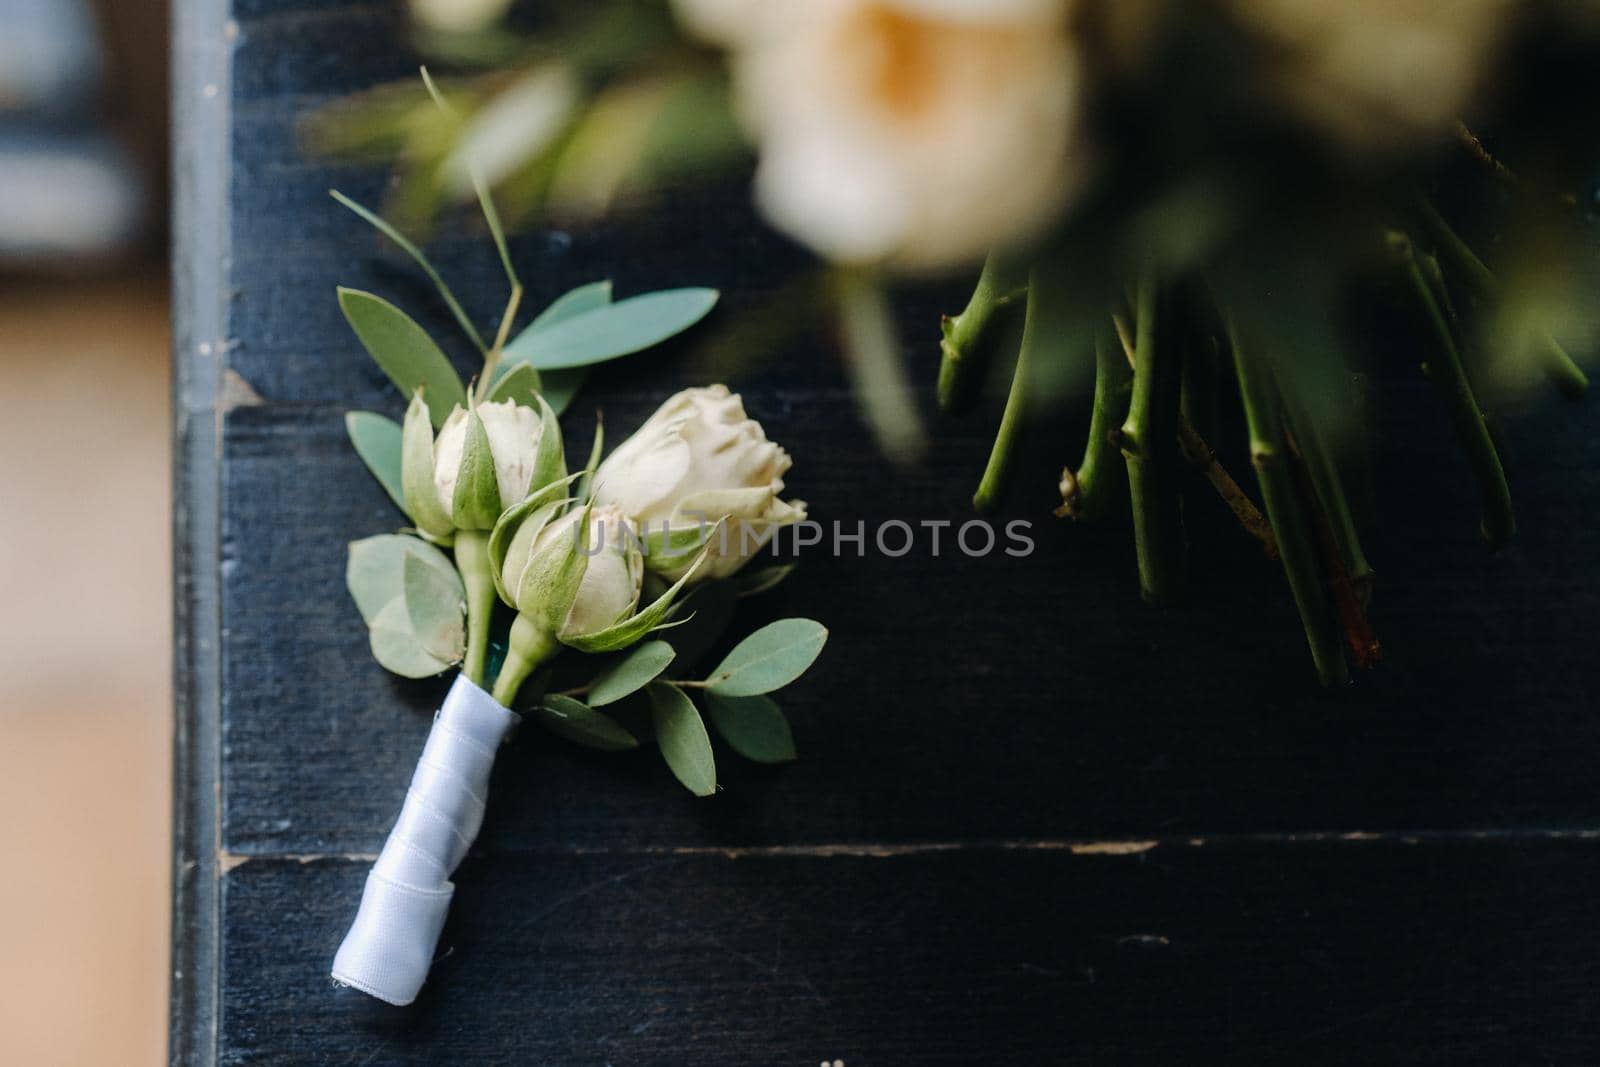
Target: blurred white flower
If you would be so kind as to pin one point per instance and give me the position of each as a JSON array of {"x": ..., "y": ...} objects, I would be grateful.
[
  {"x": 914, "y": 132},
  {"x": 699, "y": 461},
  {"x": 458, "y": 16},
  {"x": 1375, "y": 73}
]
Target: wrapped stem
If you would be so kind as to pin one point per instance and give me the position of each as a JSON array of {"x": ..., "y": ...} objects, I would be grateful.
[
  {"x": 392, "y": 941},
  {"x": 972, "y": 338},
  {"x": 1269, "y": 453},
  {"x": 1148, "y": 440}
]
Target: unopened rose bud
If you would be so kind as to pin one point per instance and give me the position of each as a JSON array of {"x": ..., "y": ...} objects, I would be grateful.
[
  {"x": 574, "y": 585},
  {"x": 485, "y": 460}
]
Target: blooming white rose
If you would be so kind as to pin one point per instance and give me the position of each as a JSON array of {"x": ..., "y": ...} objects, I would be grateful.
[
  {"x": 915, "y": 132},
  {"x": 1376, "y": 73},
  {"x": 698, "y": 462}
]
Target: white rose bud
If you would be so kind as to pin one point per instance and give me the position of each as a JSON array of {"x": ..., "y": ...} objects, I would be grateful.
[
  {"x": 459, "y": 16},
  {"x": 464, "y": 479},
  {"x": 546, "y": 551},
  {"x": 698, "y": 462}
]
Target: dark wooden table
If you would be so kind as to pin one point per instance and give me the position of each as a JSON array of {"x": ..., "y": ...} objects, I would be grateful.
[{"x": 1034, "y": 822}]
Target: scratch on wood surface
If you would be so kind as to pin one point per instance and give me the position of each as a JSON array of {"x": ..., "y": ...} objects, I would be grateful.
[
  {"x": 227, "y": 861},
  {"x": 1112, "y": 848},
  {"x": 236, "y": 392}
]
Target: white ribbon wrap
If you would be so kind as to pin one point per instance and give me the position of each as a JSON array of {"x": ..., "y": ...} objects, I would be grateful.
[{"x": 392, "y": 941}]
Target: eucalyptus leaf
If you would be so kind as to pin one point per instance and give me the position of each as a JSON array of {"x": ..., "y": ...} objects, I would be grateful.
[
  {"x": 396, "y": 647},
  {"x": 577, "y": 722},
  {"x": 376, "y": 567},
  {"x": 404, "y": 350},
  {"x": 570, "y": 304},
  {"x": 520, "y": 386},
  {"x": 633, "y": 672},
  {"x": 377, "y": 441},
  {"x": 560, "y": 386},
  {"x": 436, "y": 607},
  {"x": 682, "y": 739},
  {"x": 612, "y": 330},
  {"x": 753, "y": 726},
  {"x": 769, "y": 659}
]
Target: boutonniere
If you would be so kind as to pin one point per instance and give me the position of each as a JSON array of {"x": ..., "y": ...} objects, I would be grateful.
[{"x": 514, "y": 571}]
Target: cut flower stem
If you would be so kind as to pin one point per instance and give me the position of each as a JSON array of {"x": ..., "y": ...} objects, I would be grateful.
[{"x": 1148, "y": 439}]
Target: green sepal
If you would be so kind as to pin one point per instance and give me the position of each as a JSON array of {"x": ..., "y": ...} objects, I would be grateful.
[
  {"x": 751, "y": 583},
  {"x": 631, "y": 629},
  {"x": 476, "y": 504},
  {"x": 550, "y": 465},
  {"x": 586, "y": 486},
  {"x": 416, "y": 472},
  {"x": 549, "y": 583},
  {"x": 667, "y": 546},
  {"x": 511, "y": 524}
]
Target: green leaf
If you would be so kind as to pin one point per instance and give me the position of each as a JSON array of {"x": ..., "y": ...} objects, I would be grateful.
[
  {"x": 375, "y": 571},
  {"x": 754, "y": 726},
  {"x": 612, "y": 330},
  {"x": 636, "y": 670},
  {"x": 377, "y": 441},
  {"x": 404, "y": 350},
  {"x": 476, "y": 505},
  {"x": 682, "y": 738},
  {"x": 383, "y": 227},
  {"x": 570, "y": 304},
  {"x": 579, "y": 723},
  {"x": 416, "y": 473},
  {"x": 396, "y": 647},
  {"x": 520, "y": 386},
  {"x": 750, "y": 583},
  {"x": 769, "y": 659},
  {"x": 561, "y": 386},
  {"x": 436, "y": 607}
]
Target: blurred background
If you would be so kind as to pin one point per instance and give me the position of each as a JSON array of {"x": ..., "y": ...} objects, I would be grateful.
[{"x": 86, "y": 720}]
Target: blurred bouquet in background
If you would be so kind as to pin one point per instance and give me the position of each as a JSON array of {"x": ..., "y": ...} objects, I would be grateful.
[{"x": 1171, "y": 202}]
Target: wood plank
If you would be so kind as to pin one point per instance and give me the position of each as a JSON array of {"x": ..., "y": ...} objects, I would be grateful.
[{"x": 1322, "y": 952}]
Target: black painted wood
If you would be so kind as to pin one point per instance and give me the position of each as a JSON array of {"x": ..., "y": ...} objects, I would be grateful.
[{"x": 1403, "y": 872}]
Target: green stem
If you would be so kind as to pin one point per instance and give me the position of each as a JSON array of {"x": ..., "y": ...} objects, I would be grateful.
[
  {"x": 1328, "y": 483},
  {"x": 472, "y": 560},
  {"x": 1269, "y": 453},
  {"x": 1086, "y": 493},
  {"x": 972, "y": 338},
  {"x": 1148, "y": 440},
  {"x": 530, "y": 648},
  {"x": 1448, "y": 374},
  {"x": 1552, "y": 358},
  {"x": 998, "y": 471}
]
